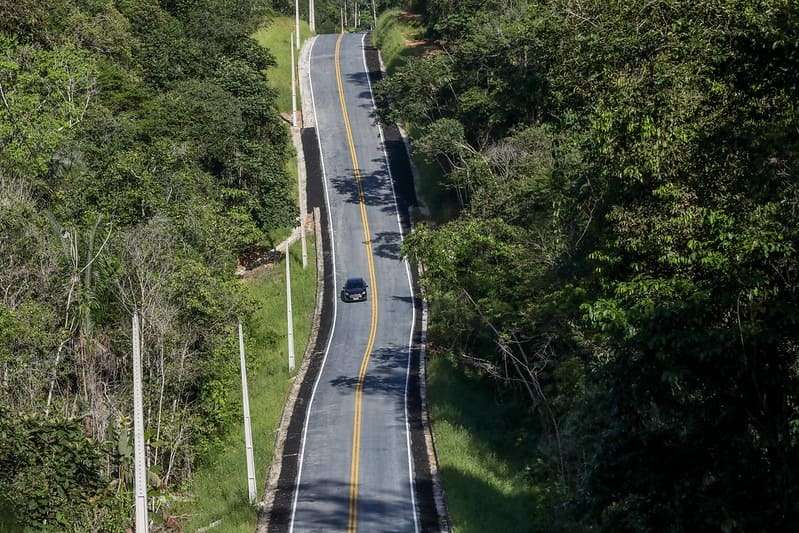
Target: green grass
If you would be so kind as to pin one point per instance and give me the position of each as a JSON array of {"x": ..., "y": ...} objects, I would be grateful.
[
  {"x": 218, "y": 490},
  {"x": 481, "y": 457},
  {"x": 391, "y": 35},
  {"x": 276, "y": 38},
  {"x": 395, "y": 29}
]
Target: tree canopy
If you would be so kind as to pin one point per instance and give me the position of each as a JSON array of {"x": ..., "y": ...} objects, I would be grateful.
[
  {"x": 141, "y": 153},
  {"x": 625, "y": 256}
]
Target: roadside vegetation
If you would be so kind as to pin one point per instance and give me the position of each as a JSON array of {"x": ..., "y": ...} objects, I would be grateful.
[
  {"x": 141, "y": 154},
  {"x": 483, "y": 459},
  {"x": 274, "y": 37},
  {"x": 620, "y": 278},
  {"x": 218, "y": 491},
  {"x": 328, "y": 13},
  {"x": 400, "y": 36}
]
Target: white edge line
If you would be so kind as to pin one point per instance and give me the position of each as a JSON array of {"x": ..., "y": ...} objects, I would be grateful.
[
  {"x": 410, "y": 287},
  {"x": 335, "y": 291}
]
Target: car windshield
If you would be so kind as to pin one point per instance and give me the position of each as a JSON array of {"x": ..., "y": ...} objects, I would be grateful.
[{"x": 355, "y": 283}]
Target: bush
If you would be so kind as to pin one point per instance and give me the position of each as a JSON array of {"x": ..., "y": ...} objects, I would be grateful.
[{"x": 53, "y": 476}]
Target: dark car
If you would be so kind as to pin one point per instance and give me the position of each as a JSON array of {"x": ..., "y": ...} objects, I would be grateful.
[{"x": 354, "y": 290}]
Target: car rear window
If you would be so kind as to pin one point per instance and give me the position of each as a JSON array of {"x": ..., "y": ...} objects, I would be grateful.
[{"x": 355, "y": 283}]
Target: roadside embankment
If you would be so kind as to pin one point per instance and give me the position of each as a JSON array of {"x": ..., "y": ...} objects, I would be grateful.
[
  {"x": 219, "y": 488},
  {"x": 400, "y": 37},
  {"x": 276, "y": 37},
  {"x": 217, "y": 496}
]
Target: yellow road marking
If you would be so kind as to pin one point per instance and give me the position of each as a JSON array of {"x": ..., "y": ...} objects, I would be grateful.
[{"x": 352, "y": 523}]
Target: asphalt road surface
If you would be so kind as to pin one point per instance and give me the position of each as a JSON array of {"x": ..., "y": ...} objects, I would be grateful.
[{"x": 355, "y": 467}]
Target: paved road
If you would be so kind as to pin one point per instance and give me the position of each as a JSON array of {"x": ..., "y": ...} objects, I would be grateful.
[{"x": 355, "y": 469}]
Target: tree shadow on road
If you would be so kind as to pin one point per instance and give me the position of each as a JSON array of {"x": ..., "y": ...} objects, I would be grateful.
[
  {"x": 324, "y": 506},
  {"x": 387, "y": 244},
  {"x": 386, "y": 374}
]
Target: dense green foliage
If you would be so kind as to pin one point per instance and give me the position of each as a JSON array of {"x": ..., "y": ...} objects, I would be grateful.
[
  {"x": 626, "y": 252},
  {"x": 140, "y": 153},
  {"x": 51, "y": 465}
]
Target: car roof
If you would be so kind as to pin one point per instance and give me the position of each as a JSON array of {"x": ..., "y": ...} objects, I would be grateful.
[{"x": 355, "y": 281}]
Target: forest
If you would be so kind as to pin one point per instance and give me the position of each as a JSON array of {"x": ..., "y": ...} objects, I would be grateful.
[
  {"x": 621, "y": 263},
  {"x": 623, "y": 259},
  {"x": 141, "y": 153}
]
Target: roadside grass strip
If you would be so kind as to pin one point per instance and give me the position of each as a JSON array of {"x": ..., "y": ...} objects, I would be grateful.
[
  {"x": 483, "y": 471},
  {"x": 393, "y": 33},
  {"x": 276, "y": 38}
]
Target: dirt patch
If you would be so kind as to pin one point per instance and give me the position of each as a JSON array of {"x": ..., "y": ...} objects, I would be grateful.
[
  {"x": 422, "y": 47},
  {"x": 415, "y": 43},
  {"x": 286, "y": 116},
  {"x": 255, "y": 262},
  {"x": 407, "y": 16}
]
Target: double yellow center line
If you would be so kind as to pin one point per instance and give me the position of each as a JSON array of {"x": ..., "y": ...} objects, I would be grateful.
[{"x": 352, "y": 523}]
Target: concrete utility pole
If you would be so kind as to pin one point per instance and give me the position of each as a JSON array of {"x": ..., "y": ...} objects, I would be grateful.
[
  {"x": 341, "y": 16},
  {"x": 357, "y": 15},
  {"x": 312, "y": 16},
  {"x": 303, "y": 217},
  {"x": 346, "y": 18},
  {"x": 374, "y": 12},
  {"x": 289, "y": 315},
  {"x": 297, "y": 21},
  {"x": 245, "y": 400},
  {"x": 139, "y": 460},
  {"x": 293, "y": 87},
  {"x": 295, "y": 124}
]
